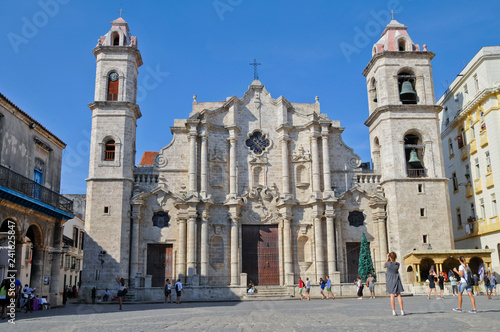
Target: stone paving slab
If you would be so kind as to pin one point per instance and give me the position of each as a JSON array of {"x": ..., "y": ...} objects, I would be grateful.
[{"x": 314, "y": 315}]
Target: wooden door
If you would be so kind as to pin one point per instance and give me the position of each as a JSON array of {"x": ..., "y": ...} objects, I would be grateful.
[
  {"x": 260, "y": 254},
  {"x": 269, "y": 255},
  {"x": 159, "y": 264},
  {"x": 352, "y": 253}
]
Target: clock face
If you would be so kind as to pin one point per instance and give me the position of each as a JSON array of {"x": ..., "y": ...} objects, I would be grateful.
[{"x": 113, "y": 76}]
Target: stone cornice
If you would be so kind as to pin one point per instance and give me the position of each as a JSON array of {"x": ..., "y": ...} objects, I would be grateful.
[
  {"x": 113, "y": 105},
  {"x": 393, "y": 54},
  {"x": 400, "y": 108},
  {"x": 119, "y": 49}
]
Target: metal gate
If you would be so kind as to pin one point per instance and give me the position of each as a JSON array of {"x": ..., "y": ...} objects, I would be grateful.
[
  {"x": 159, "y": 264},
  {"x": 352, "y": 253},
  {"x": 260, "y": 254}
]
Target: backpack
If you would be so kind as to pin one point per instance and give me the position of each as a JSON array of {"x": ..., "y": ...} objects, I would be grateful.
[
  {"x": 487, "y": 281},
  {"x": 176, "y": 287},
  {"x": 468, "y": 279}
]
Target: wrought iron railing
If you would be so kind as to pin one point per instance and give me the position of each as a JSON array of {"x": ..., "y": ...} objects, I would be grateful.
[
  {"x": 417, "y": 172},
  {"x": 23, "y": 185}
]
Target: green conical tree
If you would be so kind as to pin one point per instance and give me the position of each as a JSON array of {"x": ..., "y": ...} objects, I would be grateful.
[{"x": 365, "y": 260}]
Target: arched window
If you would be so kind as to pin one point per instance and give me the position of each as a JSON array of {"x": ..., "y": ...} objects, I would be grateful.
[
  {"x": 109, "y": 150},
  {"x": 402, "y": 45},
  {"x": 113, "y": 82},
  {"x": 116, "y": 39},
  {"x": 406, "y": 84},
  {"x": 414, "y": 156},
  {"x": 374, "y": 87}
]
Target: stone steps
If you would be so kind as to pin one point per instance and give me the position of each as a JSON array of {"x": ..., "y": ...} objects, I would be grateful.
[{"x": 269, "y": 292}]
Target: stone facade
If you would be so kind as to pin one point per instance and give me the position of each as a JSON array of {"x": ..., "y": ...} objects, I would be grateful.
[
  {"x": 469, "y": 130},
  {"x": 264, "y": 164}
]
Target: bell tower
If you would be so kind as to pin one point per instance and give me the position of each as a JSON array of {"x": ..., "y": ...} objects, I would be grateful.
[
  {"x": 112, "y": 158},
  {"x": 406, "y": 143}
]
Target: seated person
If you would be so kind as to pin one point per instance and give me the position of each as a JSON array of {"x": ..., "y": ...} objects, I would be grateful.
[{"x": 106, "y": 295}]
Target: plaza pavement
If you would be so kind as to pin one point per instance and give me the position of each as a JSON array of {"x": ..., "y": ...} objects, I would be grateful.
[{"x": 291, "y": 315}]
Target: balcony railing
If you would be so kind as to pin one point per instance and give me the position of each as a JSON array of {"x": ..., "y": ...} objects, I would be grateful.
[
  {"x": 417, "y": 172},
  {"x": 23, "y": 185}
]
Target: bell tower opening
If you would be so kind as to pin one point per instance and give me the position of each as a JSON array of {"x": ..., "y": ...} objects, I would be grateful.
[
  {"x": 402, "y": 45},
  {"x": 116, "y": 39},
  {"x": 406, "y": 84},
  {"x": 414, "y": 152}
]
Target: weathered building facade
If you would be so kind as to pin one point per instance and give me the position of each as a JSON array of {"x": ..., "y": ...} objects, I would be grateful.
[
  {"x": 30, "y": 204},
  {"x": 260, "y": 188}
]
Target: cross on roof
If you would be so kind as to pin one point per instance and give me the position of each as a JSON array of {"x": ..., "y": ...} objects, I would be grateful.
[
  {"x": 255, "y": 64},
  {"x": 121, "y": 11},
  {"x": 392, "y": 13}
]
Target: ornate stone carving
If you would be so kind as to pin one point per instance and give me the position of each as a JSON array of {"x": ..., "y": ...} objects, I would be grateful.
[
  {"x": 160, "y": 160},
  {"x": 261, "y": 205},
  {"x": 301, "y": 155},
  {"x": 161, "y": 219}
]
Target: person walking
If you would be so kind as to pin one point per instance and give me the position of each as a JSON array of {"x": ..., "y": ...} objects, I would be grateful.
[
  {"x": 475, "y": 287},
  {"x": 432, "y": 284},
  {"x": 329, "y": 288},
  {"x": 441, "y": 283},
  {"x": 322, "y": 286},
  {"x": 359, "y": 287},
  {"x": 465, "y": 285},
  {"x": 370, "y": 283},
  {"x": 487, "y": 285},
  {"x": 308, "y": 289},
  {"x": 493, "y": 282},
  {"x": 393, "y": 282},
  {"x": 454, "y": 288},
  {"x": 178, "y": 290},
  {"x": 120, "y": 294},
  {"x": 301, "y": 286},
  {"x": 168, "y": 290}
]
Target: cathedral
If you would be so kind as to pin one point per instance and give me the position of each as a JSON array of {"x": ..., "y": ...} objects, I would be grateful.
[{"x": 261, "y": 189}]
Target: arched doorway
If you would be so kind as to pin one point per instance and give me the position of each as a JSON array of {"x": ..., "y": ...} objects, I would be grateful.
[
  {"x": 474, "y": 264},
  {"x": 34, "y": 241},
  {"x": 425, "y": 267}
]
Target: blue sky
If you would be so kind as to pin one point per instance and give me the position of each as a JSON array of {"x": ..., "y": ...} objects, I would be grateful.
[{"x": 307, "y": 49}]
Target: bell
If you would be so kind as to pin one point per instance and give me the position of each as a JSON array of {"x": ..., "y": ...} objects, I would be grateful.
[
  {"x": 414, "y": 158},
  {"x": 407, "y": 92},
  {"x": 375, "y": 98}
]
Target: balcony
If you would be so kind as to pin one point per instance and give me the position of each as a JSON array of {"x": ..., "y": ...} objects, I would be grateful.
[
  {"x": 478, "y": 188},
  {"x": 468, "y": 190},
  {"x": 464, "y": 155},
  {"x": 484, "y": 138},
  {"x": 20, "y": 184},
  {"x": 489, "y": 180},
  {"x": 473, "y": 146},
  {"x": 486, "y": 226},
  {"x": 417, "y": 173}
]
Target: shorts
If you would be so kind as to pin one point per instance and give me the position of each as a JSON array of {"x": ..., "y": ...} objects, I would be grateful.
[
  {"x": 178, "y": 293},
  {"x": 489, "y": 288},
  {"x": 464, "y": 287},
  {"x": 372, "y": 289},
  {"x": 168, "y": 292},
  {"x": 328, "y": 289},
  {"x": 441, "y": 287},
  {"x": 119, "y": 294},
  {"x": 308, "y": 290},
  {"x": 300, "y": 290}
]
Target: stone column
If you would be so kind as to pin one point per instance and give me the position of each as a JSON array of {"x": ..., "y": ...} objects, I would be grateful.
[
  {"x": 382, "y": 240},
  {"x": 55, "y": 267},
  {"x": 326, "y": 159},
  {"x": 192, "y": 160},
  {"x": 318, "y": 239},
  {"x": 134, "y": 245},
  {"x": 204, "y": 245},
  {"x": 181, "y": 261},
  {"x": 330, "y": 243},
  {"x": 232, "y": 166},
  {"x": 287, "y": 221},
  {"x": 234, "y": 250},
  {"x": 191, "y": 245},
  {"x": 340, "y": 246},
  {"x": 315, "y": 160},
  {"x": 203, "y": 166},
  {"x": 285, "y": 164}
]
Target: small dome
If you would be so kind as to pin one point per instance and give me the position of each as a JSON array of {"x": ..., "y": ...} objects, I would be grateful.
[{"x": 395, "y": 38}]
